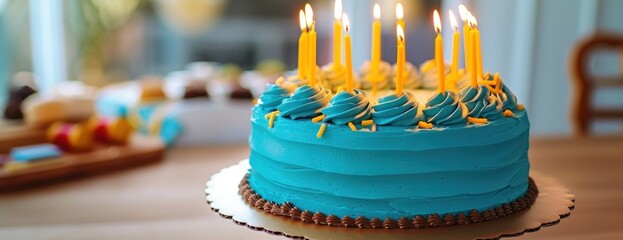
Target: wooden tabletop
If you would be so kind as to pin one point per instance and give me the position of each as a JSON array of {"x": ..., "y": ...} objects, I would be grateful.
[{"x": 166, "y": 200}]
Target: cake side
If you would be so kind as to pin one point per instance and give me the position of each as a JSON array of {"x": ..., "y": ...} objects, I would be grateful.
[
  {"x": 393, "y": 172},
  {"x": 434, "y": 220}
]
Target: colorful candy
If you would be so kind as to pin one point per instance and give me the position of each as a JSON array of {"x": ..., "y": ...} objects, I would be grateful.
[
  {"x": 70, "y": 136},
  {"x": 115, "y": 131}
]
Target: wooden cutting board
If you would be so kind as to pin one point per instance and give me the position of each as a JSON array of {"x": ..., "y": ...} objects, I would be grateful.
[
  {"x": 140, "y": 150},
  {"x": 15, "y": 133}
]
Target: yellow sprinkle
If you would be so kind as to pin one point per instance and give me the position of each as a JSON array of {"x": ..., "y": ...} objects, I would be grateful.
[
  {"x": 271, "y": 122},
  {"x": 267, "y": 116},
  {"x": 464, "y": 110},
  {"x": 508, "y": 113},
  {"x": 254, "y": 101},
  {"x": 520, "y": 107},
  {"x": 374, "y": 128},
  {"x": 425, "y": 125},
  {"x": 477, "y": 120},
  {"x": 487, "y": 75},
  {"x": 339, "y": 89},
  {"x": 321, "y": 130},
  {"x": 352, "y": 126},
  {"x": 366, "y": 123},
  {"x": 318, "y": 119},
  {"x": 493, "y": 90}
]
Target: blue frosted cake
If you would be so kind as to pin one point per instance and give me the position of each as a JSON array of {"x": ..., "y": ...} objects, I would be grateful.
[{"x": 350, "y": 159}]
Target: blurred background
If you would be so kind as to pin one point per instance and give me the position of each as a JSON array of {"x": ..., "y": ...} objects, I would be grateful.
[
  {"x": 562, "y": 58},
  {"x": 102, "y": 42}
]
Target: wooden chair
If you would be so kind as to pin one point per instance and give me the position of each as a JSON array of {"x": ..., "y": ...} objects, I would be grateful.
[{"x": 586, "y": 84}]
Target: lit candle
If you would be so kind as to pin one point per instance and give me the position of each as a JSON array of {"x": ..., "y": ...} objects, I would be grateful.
[
  {"x": 309, "y": 14},
  {"x": 400, "y": 15},
  {"x": 400, "y": 59},
  {"x": 376, "y": 39},
  {"x": 303, "y": 46},
  {"x": 455, "y": 45},
  {"x": 464, "y": 14},
  {"x": 472, "y": 57},
  {"x": 348, "y": 55},
  {"x": 376, "y": 47},
  {"x": 439, "y": 53},
  {"x": 337, "y": 34},
  {"x": 477, "y": 50}
]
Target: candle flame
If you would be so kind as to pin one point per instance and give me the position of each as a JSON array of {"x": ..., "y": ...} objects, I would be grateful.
[
  {"x": 338, "y": 10},
  {"x": 437, "y": 21},
  {"x": 309, "y": 14},
  {"x": 302, "y": 21},
  {"x": 400, "y": 33},
  {"x": 346, "y": 22},
  {"x": 377, "y": 11},
  {"x": 453, "y": 22},
  {"x": 400, "y": 12},
  {"x": 464, "y": 13},
  {"x": 472, "y": 21}
]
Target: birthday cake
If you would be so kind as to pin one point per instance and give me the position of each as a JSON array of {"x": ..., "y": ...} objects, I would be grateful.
[{"x": 352, "y": 158}]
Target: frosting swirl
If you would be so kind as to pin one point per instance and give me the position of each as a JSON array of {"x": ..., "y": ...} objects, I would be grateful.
[
  {"x": 383, "y": 78},
  {"x": 298, "y": 81},
  {"x": 509, "y": 100},
  {"x": 492, "y": 109},
  {"x": 396, "y": 110},
  {"x": 334, "y": 77},
  {"x": 412, "y": 79},
  {"x": 305, "y": 102},
  {"x": 347, "y": 107},
  {"x": 272, "y": 97},
  {"x": 428, "y": 70},
  {"x": 460, "y": 81},
  {"x": 444, "y": 109},
  {"x": 481, "y": 103}
]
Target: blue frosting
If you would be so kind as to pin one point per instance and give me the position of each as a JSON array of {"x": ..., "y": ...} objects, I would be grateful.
[
  {"x": 393, "y": 172},
  {"x": 444, "y": 109},
  {"x": 305, "y": 102},
  {"x": 509, "y": 100},
  {"x": 481, "y": 103},
  {"x": 396, "y": 111},
  {"x": 272, "y": 97},
  {"x": 347, "y": 107}
]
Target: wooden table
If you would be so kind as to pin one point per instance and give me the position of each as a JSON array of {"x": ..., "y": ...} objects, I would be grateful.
[{"x": 166, "y": 201}]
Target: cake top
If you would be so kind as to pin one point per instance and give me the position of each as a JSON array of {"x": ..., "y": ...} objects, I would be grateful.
[{"x": 385, "y": 95}]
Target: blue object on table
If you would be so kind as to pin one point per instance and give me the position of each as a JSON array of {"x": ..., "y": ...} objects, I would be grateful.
[
  {"x": 34, "y": 152},
  {"x": 170, "y": 129}
]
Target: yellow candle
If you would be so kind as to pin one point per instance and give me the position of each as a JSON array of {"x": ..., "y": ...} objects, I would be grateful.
[
  {"x": 375, "y": 59},
  {"x": 348, "y": 55},
  {"x": 303, "y": 46},
  {"x": 376, "y": 39},
  {"x": 464, "y": 14},
  {"x": 455, "y": 45},
  {"x": 337, "y": 34},
  {"x": 439, "y": 54},
  {"x": 400, "y": 59},
  {"x": 472, "y": 59},
  {"x": 309, "y": 14},
  {"x": 477, "y": 49},
  {"x": 400, "y": 15}
]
